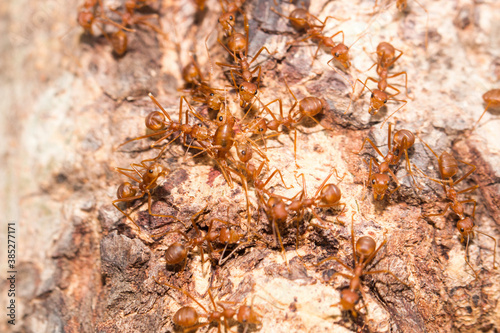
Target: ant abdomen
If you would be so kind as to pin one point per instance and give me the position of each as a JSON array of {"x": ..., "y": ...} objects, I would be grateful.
[
  {"x": 176, "y": 253},
  {"x": 186, "y": 317}
]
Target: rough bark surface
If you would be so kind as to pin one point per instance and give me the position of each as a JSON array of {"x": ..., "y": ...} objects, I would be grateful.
[{"x": 67, "y": 103}]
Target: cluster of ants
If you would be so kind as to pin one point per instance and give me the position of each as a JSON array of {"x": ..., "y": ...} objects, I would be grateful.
[{"x": 216, "y": 137}]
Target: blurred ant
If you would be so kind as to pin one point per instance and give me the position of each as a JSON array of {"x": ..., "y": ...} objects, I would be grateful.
[
  {"x": 364, "y": 251},
  {"x": 227, "y": 19},
  {"x": 492, "y": 99},
  {"x": 401, "y": 142},
  {"x": 188, "y": 318},
  {"x": 448, "y": 168},
  {"x": 147, "y": 181}
]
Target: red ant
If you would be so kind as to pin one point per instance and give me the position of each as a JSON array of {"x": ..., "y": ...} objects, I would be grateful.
[
  {"x": 448, "y": 168},
  {"x": 492, "y": 99},
  {"x": 238, "y": 44},
  {"x": 147, "y": 182},
  {"x": 326, "y": 196},
  {"x": 188, "y": 318},
  {"x": 364, "y": 251},
  {"x": 401, "y": 142},
  {"x": 307, "y": 107},
  {"x": 177, "y": 252}
]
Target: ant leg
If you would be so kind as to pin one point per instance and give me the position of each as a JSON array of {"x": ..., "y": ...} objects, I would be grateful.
[
  {"x": 440, "y": 214},
  {"x": 128, "y": 216},
  {"x": 408, "y": 169},
  {"x": 397, "y": 100},
  {"x": 406, "y": 80},
  {"x": 477, "y": 122},
  {"x": 468, "y": 172},
  {"x": 155, "y": 101},
  {"x": 295, "y": 147},
  {"x": 367, "y": 139},
  {"x": 258, "y": 53},
  {"x": 494, "y": 248},
  {"x": 385, "y": 272},
  {"x": 469, "y": 201},
  {"x": 281, "y": 176},
  {"x": 396, "y": 180},
  {"x": 466, "y": 258},
  {"x": 276, "y": 231},
  {"x": 122, "y": 171}
]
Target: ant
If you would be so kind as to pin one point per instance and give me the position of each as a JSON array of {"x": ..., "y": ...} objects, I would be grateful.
[
  {"x": 177, "y": 252},
  {"x": 364, "y": 251},
  {"x": 448, "y": 168},
  {"x": 492, "y": 99},
  {"x": 147, "y": 182},
  {"x": 401, "y": 142},
  {"x": 303, "y": 21},
  {"x": 307, "y": 107},
  {"x": 238, "y": 44},
  {"x": 326, "y": 196},
  {"x": 188, "y": 318}
]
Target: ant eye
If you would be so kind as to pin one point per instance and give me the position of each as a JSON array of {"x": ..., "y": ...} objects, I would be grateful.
[
  {"x": 150, "y": 171},
  {"x": 221, "y": 118},
  {"x": 199, "y": 125},
  {"x": 461, "y": 229},
  {"x": 211, "y": 94},
  {"x": 372, "y": 95},
  {"x": 231, "y": 17},
  {"x": 243, "y": 152},
  {"x": 261, "y": 129},
  {"x": 255, "y": 93},
  {"x": 385, "y": 101},
  {"x": 373, "y": 181},
  {"x": 336, "y": 54}
]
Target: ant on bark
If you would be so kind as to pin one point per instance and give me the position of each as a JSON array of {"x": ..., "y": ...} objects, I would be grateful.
[
  {"x": 238, "y": 45},
  {"x": 326, "y": 196},
  {"x": 364, "y": 251},
  {"x": 448, "y": 168},
  {"x": 401, "y": 142},
  {"x": 307, "y": 107},
  {"x": 188, "y": 318},
  {"x": 147, "y": 181}
]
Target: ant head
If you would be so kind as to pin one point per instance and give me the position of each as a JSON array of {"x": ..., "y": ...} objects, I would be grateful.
[
  {"x": 155, "y": 170},
  {"x": 348, "y": 299},
  {"x": 125, "y": 190},
  {"x": 260, "y": 126},
  {"x": 186, "y": 317},
  {"x": 155, "y": 121},
  {"x": 248, "y": 91},
  {"x": 214, "y": 101},
  {"x": 330, "y": 194},
  {"x": 365, "y": 246},
  {"x": 341, "y": 53},
  {"x": 244, "y": 151},
  {"x": 378, "y": 98},
  {"x": 227, "y": 21},
  {"x": 466, "y": 227},
  {"x": 224, "y": 117},
  {"x": 247, "y": 315},
  {"x": 401, "y": 4},
  {"x": 200, "y": 132},
  {"x": 277, "y": 208},
  {"x": 85, "y": 20},
  {"x": 380, "y": 183}
]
